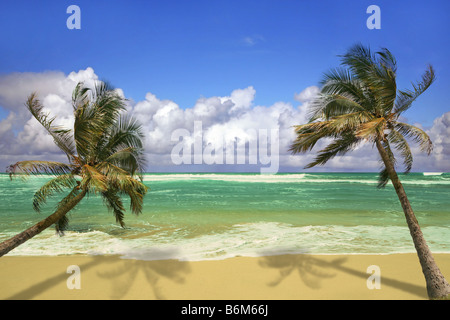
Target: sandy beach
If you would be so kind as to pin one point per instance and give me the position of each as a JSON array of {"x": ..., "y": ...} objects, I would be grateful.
[{"x": 287, "y": 277}]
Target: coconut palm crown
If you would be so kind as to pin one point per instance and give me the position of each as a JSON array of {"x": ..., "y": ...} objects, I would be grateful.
[
  {"x": 105, "y": 157},
  {"x": 360, "y": 102}
]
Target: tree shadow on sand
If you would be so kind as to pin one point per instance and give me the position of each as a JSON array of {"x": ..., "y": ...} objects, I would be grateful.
[
  {"x": 154, "y": 264},
  {"x": 59, "y": 279},
  {"x": 313, "y": 270}
]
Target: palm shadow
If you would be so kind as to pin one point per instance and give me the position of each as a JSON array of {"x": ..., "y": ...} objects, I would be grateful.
[
  {"x": 313, "y": 270},
  {"x": 144, "y": 261},
  {"x": 56, "y": 280}
]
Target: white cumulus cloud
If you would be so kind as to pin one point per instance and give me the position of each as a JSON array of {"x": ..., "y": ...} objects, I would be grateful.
[{"x": 224, "y": 121}]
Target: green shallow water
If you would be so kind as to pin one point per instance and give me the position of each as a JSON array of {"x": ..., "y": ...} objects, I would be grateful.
[{"x": 214, "y": 216}]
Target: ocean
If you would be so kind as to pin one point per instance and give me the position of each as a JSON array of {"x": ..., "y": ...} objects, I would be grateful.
[{"x": 221, "y": 215}]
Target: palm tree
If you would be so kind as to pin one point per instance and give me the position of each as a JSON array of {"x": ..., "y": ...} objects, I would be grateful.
[
  {"x": 359, "y": 102},
  {"x": 105, "y": 157}
]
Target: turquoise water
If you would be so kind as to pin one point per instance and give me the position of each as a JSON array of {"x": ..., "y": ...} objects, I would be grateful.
[{"x": 216, "y": 216}]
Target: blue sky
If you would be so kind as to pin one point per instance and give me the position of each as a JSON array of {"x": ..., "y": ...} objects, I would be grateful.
[{"x": 185, "y": 50}]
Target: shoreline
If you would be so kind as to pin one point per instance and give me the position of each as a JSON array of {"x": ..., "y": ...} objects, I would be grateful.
[{"x": 272, "y": 277}]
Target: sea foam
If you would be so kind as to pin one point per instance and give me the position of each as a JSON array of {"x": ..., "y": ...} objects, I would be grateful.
[
  {"x": 291, "y": 178},
  {"x": 247, "y": 239}
]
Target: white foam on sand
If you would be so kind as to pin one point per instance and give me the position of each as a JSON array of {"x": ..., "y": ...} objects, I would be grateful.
[{"x": 248, "y": 239}]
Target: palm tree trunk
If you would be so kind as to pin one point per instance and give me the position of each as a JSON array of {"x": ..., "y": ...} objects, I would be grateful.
[
  {"x": 20, "y": 238},
  {"x": 437, "y": 286}
]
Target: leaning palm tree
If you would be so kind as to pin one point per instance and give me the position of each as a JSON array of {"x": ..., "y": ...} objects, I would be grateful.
[
  {"x": 105, "y": 157},
  {"x": 359, "y": 102}
]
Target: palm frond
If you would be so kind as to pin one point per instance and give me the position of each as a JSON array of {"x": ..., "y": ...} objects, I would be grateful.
[
  {"x": 63, "y": 137},
  {"x": 360, "y": 101},
  {"x": 340, "y": 82},
  {"x": 80, "y": 96},
  {"x": 402, "y": 146},
  {"x": 328, "y": 106},
  {"x": 38, "y": 167},
  {"x": 111, "y": 171},
  {"x": 383, "y": 178},
  {"x": 114, "y": 204},
  {"x": 93, "y": 180},
  {"x": 126, "y": 131},
  {"x": 377, "y": 71},
  {"x": 107, "y": 104},
  {"x": 88, "y": 129},
  {"x": 360, "y": 60},
  {"x": 124, "y": 146},
  {"x": 62, "y": 224},
  {"x": 384, "y": 87},
  {"x": 120, "y": 182},
  {"x": 407, "y": 97},
  {"x": 350, "y": 122},
  {"x": 94, "y": 118},
  {"x": 387, "y": 59},
  {"x": 416, "y": 134},
  {"x": 338, "y": 147},
  {"x": 134, "y": 189},
  {"x": 128, "y": 159},
  {"x": 308, "y": 135},
  {"x": 386, "y": 78},
  {"x": 372, "y": 129},
  {"x": 55, "y": 185}
]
